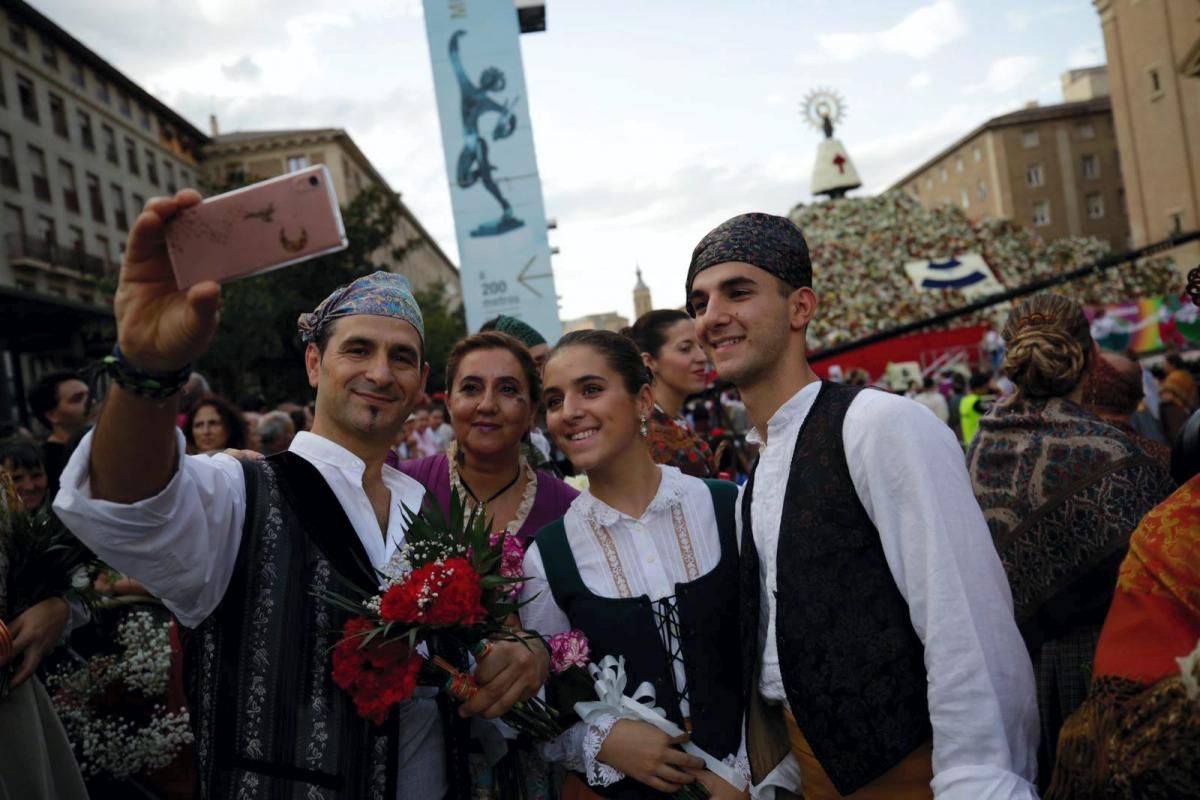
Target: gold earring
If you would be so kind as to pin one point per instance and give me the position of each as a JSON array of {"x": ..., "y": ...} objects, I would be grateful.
[{"x": 645, "y": 430}]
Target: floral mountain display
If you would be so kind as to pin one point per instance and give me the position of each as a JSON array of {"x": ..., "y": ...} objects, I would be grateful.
[
  {"x": 859, "y": 247},
  {"x": 114, "y": 706}
]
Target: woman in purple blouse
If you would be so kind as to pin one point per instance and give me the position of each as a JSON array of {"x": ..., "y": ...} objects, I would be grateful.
[{"x": 493, "y": 392}]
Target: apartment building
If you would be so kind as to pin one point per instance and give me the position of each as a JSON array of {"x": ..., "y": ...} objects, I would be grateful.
[
  {"x": 1055, "y": 169},
  {"x": 81, "y": 148}
]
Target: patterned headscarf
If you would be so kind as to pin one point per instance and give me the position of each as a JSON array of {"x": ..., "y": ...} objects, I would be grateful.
[
  {"x": 771, "y": 243},
  {"x": 519, "y": 330},
  {"x": 380, "y": 294}
]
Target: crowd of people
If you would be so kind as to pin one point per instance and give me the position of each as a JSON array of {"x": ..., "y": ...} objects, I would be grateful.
[{"x": 976, "y": 585}]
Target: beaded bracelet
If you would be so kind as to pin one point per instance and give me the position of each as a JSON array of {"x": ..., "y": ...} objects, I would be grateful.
[{"x": 155, "y": 385}]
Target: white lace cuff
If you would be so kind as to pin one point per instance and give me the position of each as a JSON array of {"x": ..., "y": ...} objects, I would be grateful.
[
  {"x": 739, "y": 764},
  {"x": 597, "y": 772}
]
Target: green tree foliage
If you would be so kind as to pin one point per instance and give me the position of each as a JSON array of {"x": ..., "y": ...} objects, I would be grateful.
[
  {"x": 257, "y": 349},
  {"x": 445, "y": 324}
]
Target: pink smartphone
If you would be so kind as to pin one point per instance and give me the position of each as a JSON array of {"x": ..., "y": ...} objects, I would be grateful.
[{"x": 267, "y": 225}]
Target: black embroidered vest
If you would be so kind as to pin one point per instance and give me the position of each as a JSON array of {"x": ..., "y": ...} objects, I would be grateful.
[
  {"x": 627, "y": 626},
  {"x": 853, "y": 667},
  {"x": 269, "y": 722}
]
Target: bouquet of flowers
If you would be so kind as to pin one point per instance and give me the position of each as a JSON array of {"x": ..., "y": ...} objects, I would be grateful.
[
  {"x": 451, "y": 587},
  {"x": 113, "y": 706},
  {"x": 44, "y": 560}
]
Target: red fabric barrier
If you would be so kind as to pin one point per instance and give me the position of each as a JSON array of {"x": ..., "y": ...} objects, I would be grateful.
[{"x": 874, "y": 358}]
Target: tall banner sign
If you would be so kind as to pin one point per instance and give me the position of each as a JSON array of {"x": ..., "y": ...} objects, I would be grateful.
[{"x": 495, "y": 190}]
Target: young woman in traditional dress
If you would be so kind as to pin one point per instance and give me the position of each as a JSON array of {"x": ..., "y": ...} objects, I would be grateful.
[
  {"x": 645, "y": 565},
  {"x": 679, "y": 369}
]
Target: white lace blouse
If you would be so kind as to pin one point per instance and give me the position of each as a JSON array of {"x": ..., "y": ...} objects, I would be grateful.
[{"x": 674, "y": 541}]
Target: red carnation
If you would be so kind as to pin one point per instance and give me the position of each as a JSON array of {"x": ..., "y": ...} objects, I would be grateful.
[
  {"x": 438, "y": 593},
  {"x": 376, "y": 676}
]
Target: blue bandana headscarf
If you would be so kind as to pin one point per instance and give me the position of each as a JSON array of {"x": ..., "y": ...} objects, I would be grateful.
[{"x": 380, "y": 294}]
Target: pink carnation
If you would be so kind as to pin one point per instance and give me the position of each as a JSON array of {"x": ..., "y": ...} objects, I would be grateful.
[{"x": 568, "y": 649}]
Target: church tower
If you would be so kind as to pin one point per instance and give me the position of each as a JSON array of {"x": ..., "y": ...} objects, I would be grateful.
[{"x": 641, "y": 296}]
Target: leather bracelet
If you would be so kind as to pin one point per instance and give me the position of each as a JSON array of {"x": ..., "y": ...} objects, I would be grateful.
[{"x": 155, "y": 385}]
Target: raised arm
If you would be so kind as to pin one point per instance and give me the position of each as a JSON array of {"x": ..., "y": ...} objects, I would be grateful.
[
  {"x": 160, "y": 330},
  {"x": 456, "y": 62}
]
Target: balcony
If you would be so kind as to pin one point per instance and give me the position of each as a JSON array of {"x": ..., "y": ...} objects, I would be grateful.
[{"x": 44, "y": 252}]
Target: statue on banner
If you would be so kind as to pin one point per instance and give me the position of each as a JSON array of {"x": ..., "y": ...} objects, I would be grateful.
[{"x": 473, "y": 162}]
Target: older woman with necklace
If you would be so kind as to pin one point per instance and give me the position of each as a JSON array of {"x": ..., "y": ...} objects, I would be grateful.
[{"x": 493, "y": 392}]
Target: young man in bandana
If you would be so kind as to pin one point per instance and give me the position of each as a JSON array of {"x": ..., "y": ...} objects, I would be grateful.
[
  {"x": 237, "y": 550},
  {"x": 879, "y": 647}
]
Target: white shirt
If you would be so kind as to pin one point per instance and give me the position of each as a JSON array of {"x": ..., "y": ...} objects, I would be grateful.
[
  {"x": 909, "y": 473},
  {"x": 935, "y": 402},
  {"x": 182, "y": 544},
  {"x": 674, "y": 541}
]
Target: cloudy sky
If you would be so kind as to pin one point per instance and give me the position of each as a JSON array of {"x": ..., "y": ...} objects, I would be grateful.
[{"x": 654, "y": 121}]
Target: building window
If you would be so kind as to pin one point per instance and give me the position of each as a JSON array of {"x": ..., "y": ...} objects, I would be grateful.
[
  {"x": 102, "y": 91},
  {"x": 94, "y": 197},
  {"x": 169, "y": 177},
  {"x": 944, "y": 175},
  {"x": 37, "y": 169},
  {"x": 144, "y": 117},
  {"x": 139, "y": 203},
  {"x": 8, "y": 167},
  {"x": 1033, "y": 175},
  {"x": 929, "y": 182},
  {"x": 982, "y": 192},
  {"x": 1091, "y": 167},
  {"x": 976, "y": 155},
  {"x": 85, "y": 130},
  {"x": 1156, "y": 87},
  {"x": 16, "y": 35},
  {"x": 76, "y": 238},
  {"x": 1121, "y": 202},
  {"x": 1086, "y": 131},
  {"x": 131, "y": 159},
  {"x": 46, "y": 233},
  {"x": 49, "y": 53},
  {"x": 964, "y": 198},
  {"x": 1029, "y": 138},
  {"x": 3, "y": 94},
  {"x": 1041, "y": 213},
  {"x": 66, "y": 174},
  {"x": 123, "y": 104},
  {"x": 58, "y": 116},
  {"x": 297, "y": 163},
  {"x": 151, "y": 167},
  {"x": 1095, "y": 206},
  {"x": 105, "y": 252},
  {"x": 14, "y": 220},
  {"x": 28, "y": 98},
  {"x": 120, "y": 218},
  {"x": 185, "y": 178},
  {"x": 76, "y": 73},
  {"x": 958, "y": 164},
  {"x": 109, "y": 138}
]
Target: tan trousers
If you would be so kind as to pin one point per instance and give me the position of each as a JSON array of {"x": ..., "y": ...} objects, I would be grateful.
[{"x": 908, "y": 780}]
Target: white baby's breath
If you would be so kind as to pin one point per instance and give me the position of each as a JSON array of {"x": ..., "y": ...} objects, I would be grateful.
[{"x": 1189, "y": 673}]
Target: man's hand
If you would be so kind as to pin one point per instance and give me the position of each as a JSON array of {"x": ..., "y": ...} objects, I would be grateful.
[
  {"x": 159, "y": 328},
  {"x": 36, "y": 632},
  {"x": 509, "y": 673},
  {"x": 717, "y": 787},
  {"x": 649, "y": 756}
]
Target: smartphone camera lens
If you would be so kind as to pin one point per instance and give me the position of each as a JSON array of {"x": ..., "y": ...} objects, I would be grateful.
[{"x": 312, "y": 181}]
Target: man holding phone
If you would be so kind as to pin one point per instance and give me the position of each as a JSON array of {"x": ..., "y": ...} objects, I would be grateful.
[{"x": 236, "y": 549}]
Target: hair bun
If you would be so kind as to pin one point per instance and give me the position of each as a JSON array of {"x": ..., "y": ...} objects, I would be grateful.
[{"x": 1044, "y": 362}]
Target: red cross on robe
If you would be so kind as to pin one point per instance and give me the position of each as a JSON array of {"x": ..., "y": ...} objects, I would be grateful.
[{"x": 840, "y": 162}]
